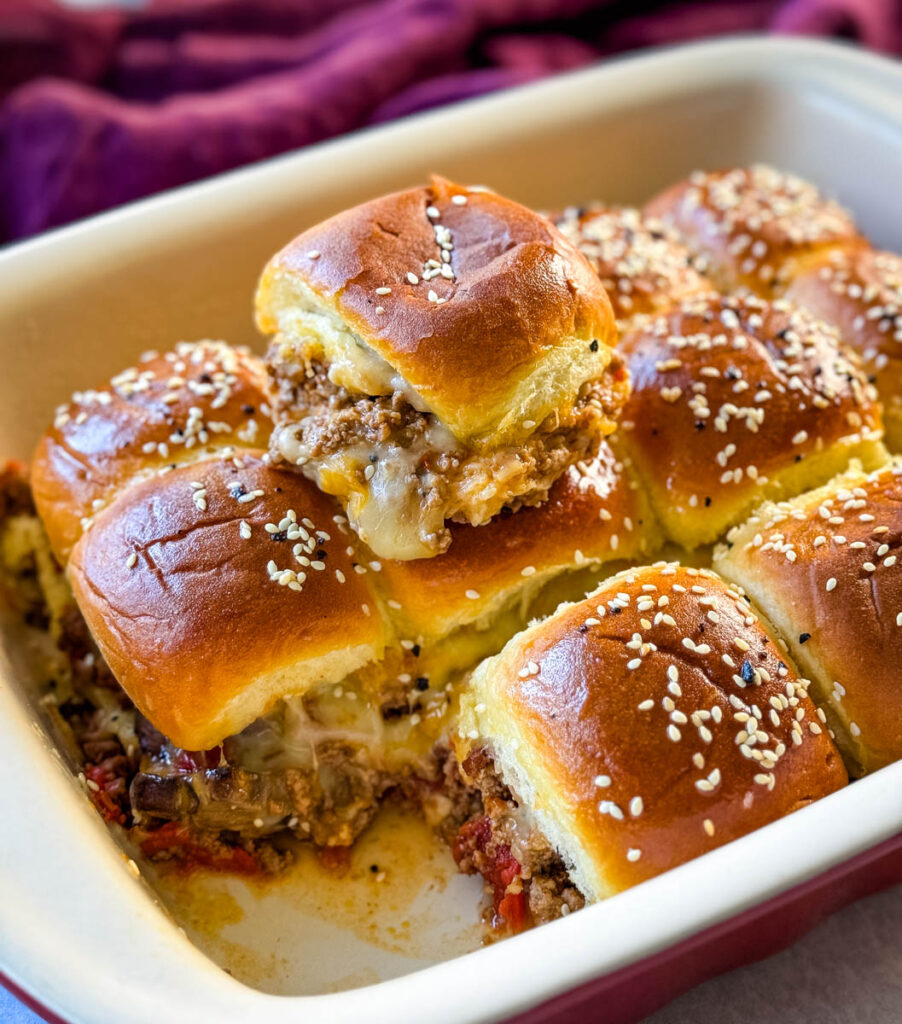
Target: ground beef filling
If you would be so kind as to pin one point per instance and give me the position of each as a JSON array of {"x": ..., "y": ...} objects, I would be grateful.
[
  {"x": 319, "y": 419},
  {"x": 527, "y": 881}
]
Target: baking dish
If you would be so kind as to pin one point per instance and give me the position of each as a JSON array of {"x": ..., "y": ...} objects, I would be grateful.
[{"x": 86, "y": 939}]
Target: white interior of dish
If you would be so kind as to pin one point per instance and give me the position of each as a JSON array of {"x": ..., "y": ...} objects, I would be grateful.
[{"x": 77, "y": 928}]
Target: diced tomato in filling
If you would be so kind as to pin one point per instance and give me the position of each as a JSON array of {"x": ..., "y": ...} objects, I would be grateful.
[
  {"x": 498, "y": 867},
  {"x": 174, "y": 837},
  {"x": 110, "y": 793}
]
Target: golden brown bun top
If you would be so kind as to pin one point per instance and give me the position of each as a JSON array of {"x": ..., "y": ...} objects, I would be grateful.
[
  {"x": 860, "y": 291},
  {"x": 642, "y": 263},
  {"x": 656, "y": 720},
  {"x": 517, "y": 291},
  {"x": 594, "y": 513},
  {"x": 218, "y": 588},
  {"x": 167, "y": 409},
  {"x": 827, "y": 562},
  {"x": 755, "y": 225},
  {"x": 728, "y": 390}
]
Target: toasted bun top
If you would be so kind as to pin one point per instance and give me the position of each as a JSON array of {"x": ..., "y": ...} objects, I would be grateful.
[
  {"x": 518, "y": 301},
  {"x": 729, "y": 391},
  {"x": 860, "y": 291},
  {"x": 642, "y": 263},
  {"x": 824, "y": 568},
  {"x": 594, "y": 513},
  {"x": 755, "y": 225},
  {"x": 218, "y": 588},
  {"x": 168, "y": 409},
  {"x": 649, "y": 723}
]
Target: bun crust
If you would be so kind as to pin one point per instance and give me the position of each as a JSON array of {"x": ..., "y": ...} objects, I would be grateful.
[
  {"x": 755, "y": 226},
  {"x": 520, "y": 295},
  {"x": 594, "y": 514},
  {"x": 734, "y": 400},
  {"x": 824, "y": 569},
  {"x": 167, "y": 410},
  {"x": 198, "y": 621},
  {"x": 642, "y": 263},
  {"x": 860, "y": 292},
  {"x": 627, "y": 733}
]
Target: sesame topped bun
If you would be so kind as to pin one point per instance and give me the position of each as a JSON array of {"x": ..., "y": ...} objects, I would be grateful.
[
  {"x": 219, "y": 588},
  {"x": 439, "y": 353},
  {"x": 166, "y": 410},
  {"x": 859, "y": 291},
  {"x": 506, "y": 337},
  {"x": 655, "y": 720},
  {"x": 824, "y": 568},
  {"x": 642, "y": 263},
  {"x": 755, "y": 226},
  {"x": 735, "y": 400}
]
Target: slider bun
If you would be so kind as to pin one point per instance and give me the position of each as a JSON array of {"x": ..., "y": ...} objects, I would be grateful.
[
  {"x": 735, "y": 400},
  {"x": 754, "y": 226},
  {"x": 642, "y": 263},
  {"x": 860, "y": 291},
  {"x": 629, "y": 771},
  {"x": 844, "y": 536},
  {"x": 512, "y": 343},
  {"x": 595, "y": 513},
  {"x": 195, "y": 628},
  {"x": 142, "y": 421}
]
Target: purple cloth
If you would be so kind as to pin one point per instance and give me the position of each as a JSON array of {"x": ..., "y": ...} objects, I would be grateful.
[{"x": 100, "y": 107}]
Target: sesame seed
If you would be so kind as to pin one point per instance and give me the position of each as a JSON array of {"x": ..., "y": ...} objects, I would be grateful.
[
  {"x": 636, "y": 806},
  {"x": 314, "y": 254},
  {"x": 383, "y": 291},
  {"x": 132, "y": 560},
  {"x": 473, "y": 595},
  {"x": 633, "y": 854},
  {"x": 708, "y": 826},
  {"x": 412, "y": 277},
  {"x": 609, "y": 807},
  {"x": 673, "y": 733},
  {"x": 831, "y": 583},
  {"x": 459, "y": 200},
  {"x": 603, "y": 781}
]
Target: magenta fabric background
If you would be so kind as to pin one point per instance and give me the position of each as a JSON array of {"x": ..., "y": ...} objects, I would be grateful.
[{"x": 103, "y": 106}]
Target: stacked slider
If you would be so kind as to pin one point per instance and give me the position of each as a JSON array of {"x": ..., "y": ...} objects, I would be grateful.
[{"x": 439, "y": 354}]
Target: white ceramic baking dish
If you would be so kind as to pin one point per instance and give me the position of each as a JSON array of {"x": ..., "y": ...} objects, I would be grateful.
[{"x": 78, "y": 932}]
